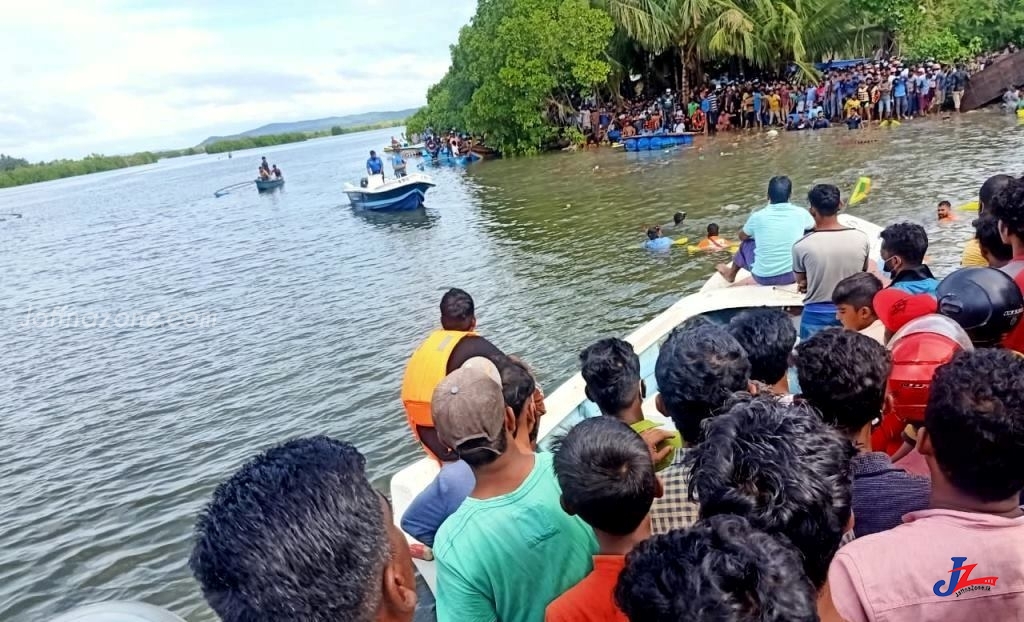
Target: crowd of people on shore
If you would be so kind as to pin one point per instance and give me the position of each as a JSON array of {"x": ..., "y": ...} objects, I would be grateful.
[
  {"x": 884, "y": 91},
  {"x": 869, "y": 467},
  {"x": 866, "y": 467}
]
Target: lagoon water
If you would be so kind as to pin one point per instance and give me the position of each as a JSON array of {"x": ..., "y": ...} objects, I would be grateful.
[{"x": 154, "y": 337}]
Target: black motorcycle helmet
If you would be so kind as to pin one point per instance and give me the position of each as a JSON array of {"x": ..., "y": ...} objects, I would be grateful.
[{"x": 984, "y": 301}]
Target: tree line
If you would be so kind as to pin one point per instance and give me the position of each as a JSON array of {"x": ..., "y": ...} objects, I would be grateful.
[
  {"x": 18, "y": 171},
  {"x": 520, "y": 68}
]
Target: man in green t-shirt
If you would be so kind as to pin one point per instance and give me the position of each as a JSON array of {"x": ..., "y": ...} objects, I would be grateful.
[{"x": 509, "y": 549}]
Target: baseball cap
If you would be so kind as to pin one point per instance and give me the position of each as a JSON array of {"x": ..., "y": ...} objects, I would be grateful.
[
  {"x": 484, "y": 364},
  {"x": 468, "y": 405},
  {"x": 895, "y": 307}
]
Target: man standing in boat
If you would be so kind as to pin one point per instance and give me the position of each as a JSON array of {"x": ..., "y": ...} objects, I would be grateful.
[
  {"x": 398, "y": 163},
  {"x": 374, "y": 165},
  {"x": 443, "y": 351}
]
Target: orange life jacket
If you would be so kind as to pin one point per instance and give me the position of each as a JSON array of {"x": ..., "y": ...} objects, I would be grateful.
[{"x": 426, "y": 369}]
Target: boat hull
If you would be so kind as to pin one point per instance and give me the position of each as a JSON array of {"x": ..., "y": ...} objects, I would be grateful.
[
  {"x": 268, "y": 185},
  {"x": 989, "y": 85},
  {"x": 402, "y": 197},
  {"x": 655, "y": 142},
  {"x": 568, "y": 404}
]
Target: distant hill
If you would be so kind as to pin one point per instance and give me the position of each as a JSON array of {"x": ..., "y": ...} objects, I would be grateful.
[{"x": 315, "y": 125}]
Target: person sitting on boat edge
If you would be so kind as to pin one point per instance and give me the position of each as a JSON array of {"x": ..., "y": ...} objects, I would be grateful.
[
  {"x": 971, "y": 439},
  {"x": 721, "y": 569},
  {"x": 611, "y": 371},
  {"x": 607, "y": 479},
  {"x": 853, "y": 298},
  {"x": 264, "y": 174},
  {"x": 299, "y": 533},
  {"x": 510, "y": 549},
  {"x": 767, "y": 238},
  {"x": 846, "y": 374},
  {"x": 398, "y": 163},
  {"x": 442, "y": 352},
  {"x": 713, "y": 242},
  {"x": 781, "y": 468},
  {"x": 656, "y": 241},
  {"x": 903, "y": 249},
  {"x": 277, "y": 172},
  {"x": 374, "y": 165},
  {"x": 824, "y": 257},
  {"x": 767, "y": 336}
]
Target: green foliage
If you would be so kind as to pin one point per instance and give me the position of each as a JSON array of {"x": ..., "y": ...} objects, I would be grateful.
[
  {"x": 251, "y": 142},
  {"x": 515, "y": 69},
  {"x": 8, "y": 163},
  {"x": 57, "y": 169}
]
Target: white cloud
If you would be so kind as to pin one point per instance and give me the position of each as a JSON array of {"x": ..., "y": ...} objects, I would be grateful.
[{"x": 115, "y": 76}]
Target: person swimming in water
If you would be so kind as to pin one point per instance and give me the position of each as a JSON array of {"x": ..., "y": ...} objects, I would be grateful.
[
  {"x": 713, "y": 242},
  {"x": 656, "y": 241},
  {"x": 945, "y": 212}
]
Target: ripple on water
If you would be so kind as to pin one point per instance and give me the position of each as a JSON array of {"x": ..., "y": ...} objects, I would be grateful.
[{"x": 112, "y": 437}]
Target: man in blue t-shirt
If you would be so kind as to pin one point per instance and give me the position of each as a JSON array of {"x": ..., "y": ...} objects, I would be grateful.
[
  {"x": 768, "y": 238},
  {"x": 899, "y": 93},
  {"x": 374, "y": 165}
]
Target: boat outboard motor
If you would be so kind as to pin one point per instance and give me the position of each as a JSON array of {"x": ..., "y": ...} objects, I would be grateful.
[{"x": 364, "y": 182}]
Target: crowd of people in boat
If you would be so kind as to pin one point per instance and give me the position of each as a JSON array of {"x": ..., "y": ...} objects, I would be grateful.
[
  {"x": 883, "y": 91},
  {"x": 868, "y": 466},
  {"x": 268, "y": 171}
]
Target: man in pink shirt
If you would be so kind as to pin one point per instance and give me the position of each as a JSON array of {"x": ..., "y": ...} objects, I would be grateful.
[{"x": 964, "y": 558}]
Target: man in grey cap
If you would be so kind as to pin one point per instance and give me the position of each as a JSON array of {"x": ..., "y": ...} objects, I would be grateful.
[{"x": 509, "y": 549}]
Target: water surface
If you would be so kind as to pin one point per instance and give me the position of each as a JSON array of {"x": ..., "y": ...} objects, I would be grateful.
[{"x": 234, "y": 323}]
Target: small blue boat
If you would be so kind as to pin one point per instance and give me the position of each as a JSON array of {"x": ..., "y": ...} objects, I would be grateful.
[
  {"x": 655, "y": 142},
  {"x": 444, "y": 158},
  {"x": 265, "y": 185},
  {"x": 376, "y": 193}
]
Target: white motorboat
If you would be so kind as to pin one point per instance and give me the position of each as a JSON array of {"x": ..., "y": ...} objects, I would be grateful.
[
  {"x": 568, "y": 404},
  {"x": 401, "y": 193}
]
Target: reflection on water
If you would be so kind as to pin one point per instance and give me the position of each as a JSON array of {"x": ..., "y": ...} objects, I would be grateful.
[{"x": 113, "y": 435}]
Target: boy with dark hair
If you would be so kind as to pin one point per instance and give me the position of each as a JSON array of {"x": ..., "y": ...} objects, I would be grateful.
[
  {"x": 611, "y": 370},
  {"x": 844, "y": 376},
  {"x": 768, "y": 337},
  {"x": 824, "y": 257},
  {"x": 989, "y": 190},
  {"x": 945, "y": 212},
  {"x": 853, "y": 298},
  {"x": 996, "y": 252},
  {"x": 700, "y": 367},
  {"x": 607, "y": 479},
  {"x": 1008, "y": 208},
  {"x": 713, "y": 242},
  {"x": 721, "y": 569},
  {"x": 903, "y": 249},
  {"x": 299, "y": 533},
  {"x": 781, "y": 468},
  {"x": 963, "y": 559}
]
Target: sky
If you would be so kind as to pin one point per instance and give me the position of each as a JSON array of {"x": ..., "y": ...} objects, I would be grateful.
[{"x": 118, "y": 76}]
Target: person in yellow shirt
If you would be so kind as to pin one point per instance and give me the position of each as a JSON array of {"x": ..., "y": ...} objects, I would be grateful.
[
  {"x": 972, "y": 256},
  {"x": 747, "y": 120},
  {"x": 852, "y": 106},
  {"x": 774, "y": 108}
]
